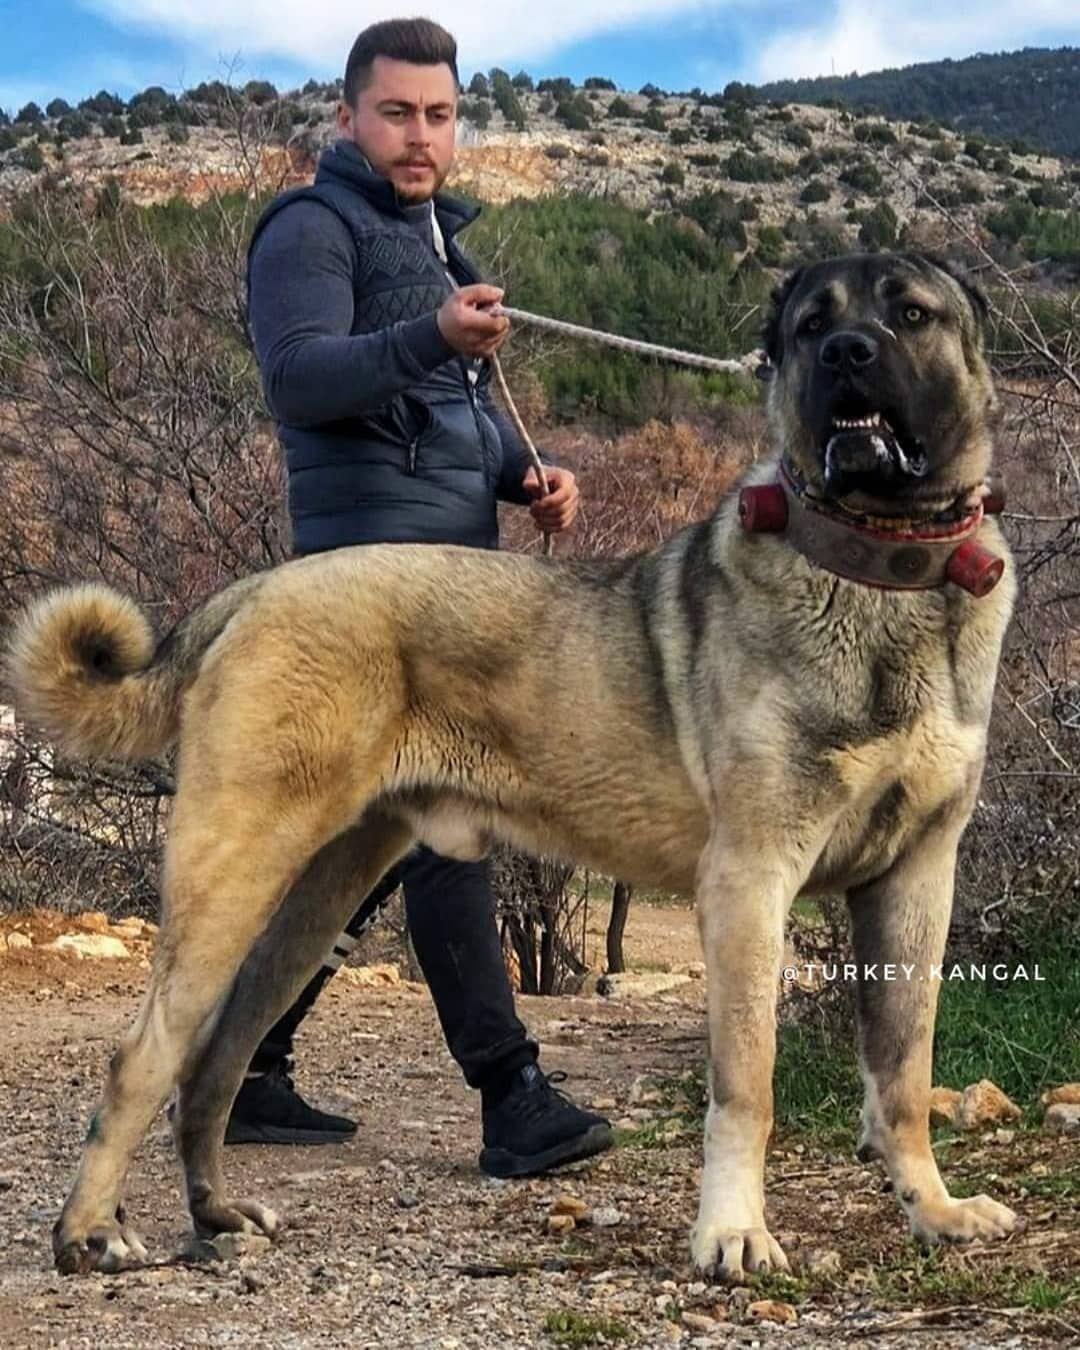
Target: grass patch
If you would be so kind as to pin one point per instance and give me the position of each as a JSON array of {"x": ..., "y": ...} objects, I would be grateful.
[
  {"x": 574, "y": 1329},
  {"x": 932, "y": 1277},
  {"x": 1045, "y": 1295},
  {"x": 681, "y": 1112},
  {"x": 1060, "y": 1185},
  {"x": 784, "y": 1288},
  {"x": 1023, "y": 1035},
  {"x": 817, "y": 1088},
  {"x": 656, "y": 1134}
]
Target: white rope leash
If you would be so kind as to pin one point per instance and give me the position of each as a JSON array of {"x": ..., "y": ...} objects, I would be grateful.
[
  {"x": 743, "y": 366},
  {"x": 534, "y": 454}
]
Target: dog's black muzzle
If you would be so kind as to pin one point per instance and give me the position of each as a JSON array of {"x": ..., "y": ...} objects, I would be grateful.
[{"x": 865, "y": 443}]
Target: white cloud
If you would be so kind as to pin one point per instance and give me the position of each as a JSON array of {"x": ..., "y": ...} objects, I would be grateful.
[
  {"x": 319, "y": 33},
  {"x": 867, "y": 35}
]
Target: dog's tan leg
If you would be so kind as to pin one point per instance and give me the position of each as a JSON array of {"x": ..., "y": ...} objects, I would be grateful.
[
  {"x": 903, "y": 919},
  {"x": 289, "y": 951},
  {"x": 742, "y": 902},
  {"x": 227, "y": 866}
]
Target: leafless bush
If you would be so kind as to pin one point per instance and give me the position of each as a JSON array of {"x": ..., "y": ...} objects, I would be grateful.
[
  {"x": 134, "y": 450},
  {"x": 542, "y": 922}
]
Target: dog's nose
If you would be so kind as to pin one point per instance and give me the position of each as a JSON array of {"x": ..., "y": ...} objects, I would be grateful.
[{"x": 848, "y": 351}]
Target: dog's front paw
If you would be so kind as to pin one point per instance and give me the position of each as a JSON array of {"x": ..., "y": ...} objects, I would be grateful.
[
  {"x": 107, "y": 1248},
  {"x": 961, "y": 1220},
  {"x": 729, "y": 1253},
  {"x": 213, "y": 1217}
]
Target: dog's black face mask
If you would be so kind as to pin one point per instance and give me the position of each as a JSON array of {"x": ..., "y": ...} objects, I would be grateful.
[
  {"x": 880, "y": 397},
  {"x": 864, "y": 440}
]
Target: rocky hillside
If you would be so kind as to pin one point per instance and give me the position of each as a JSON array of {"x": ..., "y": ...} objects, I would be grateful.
[
  {"x": 1033, "y": 94},
  {"x": 787, "y": 169}
]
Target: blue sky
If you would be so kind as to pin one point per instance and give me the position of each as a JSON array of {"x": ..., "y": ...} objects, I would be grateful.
[{"x": 72, "y": 48}]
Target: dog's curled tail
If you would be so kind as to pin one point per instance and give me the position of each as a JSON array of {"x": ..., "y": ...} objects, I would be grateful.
[
  {"x": 81, "y": 667},
  {"x": 84, "y": 667}
]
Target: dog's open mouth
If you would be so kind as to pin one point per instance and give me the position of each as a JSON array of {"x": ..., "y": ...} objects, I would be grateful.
[{"x": 870, "y": 450}]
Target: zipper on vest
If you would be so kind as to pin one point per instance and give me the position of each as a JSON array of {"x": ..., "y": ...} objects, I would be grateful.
[
  {"x": 485, "y": 465},
  {"x": 411, "y": 464}
]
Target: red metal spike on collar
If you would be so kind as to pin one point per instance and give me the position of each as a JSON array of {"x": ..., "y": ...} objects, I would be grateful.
[{"x": 919, "y": 558}]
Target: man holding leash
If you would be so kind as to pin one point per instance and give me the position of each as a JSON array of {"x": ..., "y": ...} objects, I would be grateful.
[{"x": 371, "y": 330}]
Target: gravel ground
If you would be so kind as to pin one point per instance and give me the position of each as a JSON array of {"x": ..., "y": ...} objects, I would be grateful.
[{"x": 396, "y": 1239}]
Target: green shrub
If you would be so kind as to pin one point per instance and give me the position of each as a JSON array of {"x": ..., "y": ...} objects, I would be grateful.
[
  {"x": 674, "y": 174},
  {"x": 654, "y": 120},
  {"x": 1049, "y": 195},
  {"x": 815, "y": 191},
  {"x": 879, "y": 228},
  {"x": 771, "y": 246},
  {"x": 862, "y": 176},
  {"x": 743, "y": 167},
  {"x": 618, "y": 107},
  {"x": 572, "y": 118},
  {"x": 259, "y": 92},
  {"x": 31, "y": 157},
  {"x": 875, "y": 133},
  {"x": 74, "y": 126},
  {"x": 475, "y": 110}
]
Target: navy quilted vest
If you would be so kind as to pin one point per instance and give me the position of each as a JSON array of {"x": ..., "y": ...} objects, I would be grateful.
[{"x": 423, "y": 467}]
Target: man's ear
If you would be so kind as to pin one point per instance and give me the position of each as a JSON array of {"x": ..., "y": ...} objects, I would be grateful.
[{"x": 771, "y": 331}]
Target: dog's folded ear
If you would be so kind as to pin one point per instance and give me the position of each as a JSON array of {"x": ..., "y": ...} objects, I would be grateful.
[
  {"x": 977, "y": 298},
  {"x": 771, "y": 336}
]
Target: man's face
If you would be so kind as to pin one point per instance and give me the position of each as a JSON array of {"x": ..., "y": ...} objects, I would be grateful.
[{"x": 404, "y": 123}]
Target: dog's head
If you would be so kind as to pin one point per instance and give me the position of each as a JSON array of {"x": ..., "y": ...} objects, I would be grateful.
[{"x": 880, "y": 396}]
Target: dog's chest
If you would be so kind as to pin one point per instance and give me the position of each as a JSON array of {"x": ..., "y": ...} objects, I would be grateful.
[{"x": 898, "y": 787}]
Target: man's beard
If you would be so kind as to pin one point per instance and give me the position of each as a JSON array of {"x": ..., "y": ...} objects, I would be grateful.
[{"x": 415, "y": 193}]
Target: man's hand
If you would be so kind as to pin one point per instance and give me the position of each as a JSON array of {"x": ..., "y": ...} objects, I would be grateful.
[
  {"x": 558, "y": 510},
  {"x": 466, "y": 325}
]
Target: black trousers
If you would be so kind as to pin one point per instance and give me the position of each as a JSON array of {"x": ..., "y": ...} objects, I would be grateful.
[{"x": 450, "y": 910}]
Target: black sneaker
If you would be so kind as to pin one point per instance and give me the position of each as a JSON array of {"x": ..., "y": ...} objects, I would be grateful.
[
  {"x": 533, "y": 1127},
  {"x": 269, "y": 1110}
]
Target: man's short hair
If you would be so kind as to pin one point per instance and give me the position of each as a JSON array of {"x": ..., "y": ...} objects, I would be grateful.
[{"x": 421, "y": 41}]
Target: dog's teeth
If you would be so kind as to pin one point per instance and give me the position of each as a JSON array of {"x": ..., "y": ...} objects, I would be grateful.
[{"x": 857, "y": 423}]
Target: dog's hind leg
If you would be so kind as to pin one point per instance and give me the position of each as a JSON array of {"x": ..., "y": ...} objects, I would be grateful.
[
  {"x": 231, "y": 858},
  {"x": 278, "y": 967},
  {"x": 902, "y": 921}
]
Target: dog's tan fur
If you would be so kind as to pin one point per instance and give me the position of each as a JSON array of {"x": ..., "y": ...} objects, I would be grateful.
[{"x": 719, "y": 717}]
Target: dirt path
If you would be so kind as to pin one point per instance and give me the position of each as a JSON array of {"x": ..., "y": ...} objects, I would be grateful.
[{"x": 396, "y": 1240}]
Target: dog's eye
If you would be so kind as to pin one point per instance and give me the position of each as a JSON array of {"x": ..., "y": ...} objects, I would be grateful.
[
  {"x": 814, "y": 324},
  {"x": 915, "y": 314}
]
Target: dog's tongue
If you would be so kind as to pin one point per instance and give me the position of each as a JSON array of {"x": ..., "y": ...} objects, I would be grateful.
[{"x": 869, "y": 460}]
